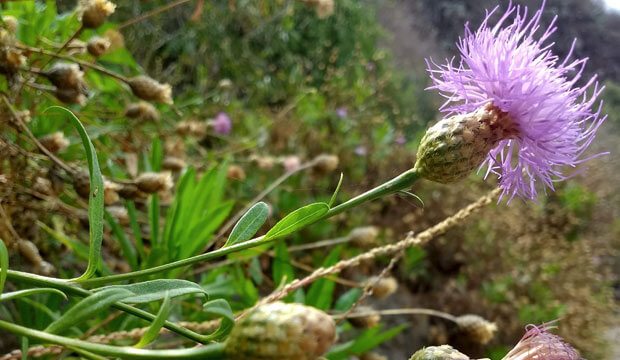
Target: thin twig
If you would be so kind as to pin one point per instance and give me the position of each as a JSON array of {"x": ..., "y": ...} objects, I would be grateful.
[
  {"x": 151, "y": 13},
  {"x": 411, "y": 311}
]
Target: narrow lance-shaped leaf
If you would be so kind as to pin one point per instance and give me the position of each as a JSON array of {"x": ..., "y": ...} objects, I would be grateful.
[
  {"x": 220, "y": 308},
  {"x": 249, "y": 224},
  {"x": 297, "y": 219},
  {"x": 4, "y": 264},
  {"x": 153, "y": 330},
  {"x": 155, "y": 290},
  {"x": 27, "y": 292},
  {"x": 95, "y": 199}
]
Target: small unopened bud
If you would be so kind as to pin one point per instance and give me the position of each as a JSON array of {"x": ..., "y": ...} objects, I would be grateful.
[
  {"x": 235, "y": 172},
  {"x": 443, "y": 352},
  {"x": 146, "y": 88},
  {"x": 191, "y": 128},
  {"x": 291, "y": 163},
  {"x": 70, "y": 96},
  {"x": 372, "y": 356},
  {"x": 454, "y": 147},
  {"x": 115, "y": 37},
  {"x": 150, "y": 182},
  {"x": 65, "y": 75},
  {"x": 55, "y": 142},
  {"x": 119, "y": 213},
  {"x": 93, "y": 13},
  {"x": 11, "y": 23},
  {"x": 364, "y": 237},
  {"x": 383, "y": 287},
  {"x": 97, "y": 46},
  {"x": 43, "y": 186},
  {"x": 364, "y": 317},
  {"x": 173, "y": 164},
  {"x": 142, "y": 111},
  {"x": 281, "y": 331},
  {"x": 326, "y": 163},
  {"x": 476, "y": 328}
]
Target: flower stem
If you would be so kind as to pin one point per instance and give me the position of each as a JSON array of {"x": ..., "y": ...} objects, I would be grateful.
[
  {"x": 212, "y": 351},
  {"x": 402, "y": 181}
]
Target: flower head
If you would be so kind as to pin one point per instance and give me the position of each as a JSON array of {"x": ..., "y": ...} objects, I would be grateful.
[
  {"x": 511, "y": 67},
  {"x": 538, "y": 344},
  {"x": 222, "y": 124}
]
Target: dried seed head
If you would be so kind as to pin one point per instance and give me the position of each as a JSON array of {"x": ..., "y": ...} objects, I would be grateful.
[
  {"x": 98, "y": 46},
  {"x": 280, "y": 331},
  {"x": 454, "y": 147},
  {"x": 110, "y": 192},
  {"x": 142, "y": 111},
  {"x": 372, "y": 356},
  {"x": 326, "y": 163},
  {"x": 65, "y": 75},
  {"x": 119, "y": 213},
  {"x": 115, "y": 38},
  {"x": 367, "y": 318},
  {"x": 43, "y": 186},
  {"x": 476, "y": 328},
  {"x": 10, "y": 23},
  {"x": 150, "y": 182},
  {"x": 443, "y": 352},
  {"x": 55, "y": 142},
  {"x": 291, "y": 163},
  {"x": 81, "y": 184},
  {"x": 146, "y": 88},
  {"x": 383, "y": 287},
  {"x": 364, "y": 237},
  {"x": 10, "y": 58},
  {"x": 191, "y": 128},
  {"x": 235, "y": 172},
  {"x": 70, "y": 96},
  {"x": 173, "y": 164},
  {"x": 93, "y": 13}
]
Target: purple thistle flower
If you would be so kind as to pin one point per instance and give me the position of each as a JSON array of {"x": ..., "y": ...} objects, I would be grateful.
[
  {"x": 507, "y": 66},
  {"x": 222, "y": 124},
  {"x": 341, "y": 112},
  {"x": 538, "y": 344}
]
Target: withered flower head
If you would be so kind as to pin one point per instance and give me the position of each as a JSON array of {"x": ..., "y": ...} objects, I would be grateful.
[
  {"x": 98, "y": 46},
  {"x": 93, "y": 13},
  {"x": 142, "y": 111},
  {"x": 146, "y": 88}
]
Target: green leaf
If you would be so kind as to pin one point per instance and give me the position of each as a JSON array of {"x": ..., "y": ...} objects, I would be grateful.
[
  {"x": 87, "y": 307},
  {"x": 282, "y": 268},
  {"x": 297, "y": 219},
  {"x": 249, "y": 224},
  {"x": 220, "y": 308},
  {"x": 368, "y": 340},
  {"x": 333, "y": 199},
  {"x": 4, "y": 264},
  {"x": 156, "y": 155},
  {"x": 347, "y": 299},
  {"x": 21, "y": 293},
  {"x": 321, "y": 292},
  {"x": 153, "y": 330},
  {"x": 95, "y": 199},
  {"x": 155, "y": 290}
]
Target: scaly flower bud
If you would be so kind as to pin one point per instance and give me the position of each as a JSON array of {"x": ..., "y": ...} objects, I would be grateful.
[
  {"x": 383, "y": 287},
  {"x": 192, "y": 128},
  {"x": 235, "y": 172},
  {"x": 146, "y": 88},
  {"x": 55, "y": 142},
  {"x": 93, "y": 13},
  {"x": 326, "y": 163},
  {"x": 65, "y": 75},
  {"x": 173, "y": 164},
  {"x": 443, "y": 352},
  {"x": 142, "y": 111},
  {"x": 454, "y": 147},
  {"x": 150, "y": 182},
  {"x": 476, "y": 328},
  {"x": 281, "y": 331},
  {"x": 115, "y": 38},
  {"x": 364, "y": 237},
  {"x": 70, "y": 96},
  {"x": 97, "y": 46}
]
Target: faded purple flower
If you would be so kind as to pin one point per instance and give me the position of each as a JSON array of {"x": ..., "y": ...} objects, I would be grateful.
[
  {"x": 401, "y": 140},
  {"x": 341, "y": 112},
  {"x": 360, "y": 150},
  {"x": 508, "y": 66},
  {"x": 538, "y": 344},
  {"x": 222, "y": 124}
]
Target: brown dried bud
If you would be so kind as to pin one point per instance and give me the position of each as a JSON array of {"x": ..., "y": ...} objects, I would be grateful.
[
  {"x": 173, "y": 164},
  {"x": 119, "y": 213},
  {"x": 98, "y": 46},
  {"x": 142, "y": 111},
  {"x": 191, "y": 128},
  {"x": 116, "y": 39},
  {"x": 326, "y": 163},
  {"x": 281, "y": 331},
  {"x": 81, "y": 184},
  {"x": 55, "y": 142},
  {"x": 110, "y": 192},
  {"x": 93, "y": 13},
  {"x": 146, "y": 88},
  {"x": 443, "y": 352},
  {"x": 364, "y": 317},
  {"x": 10, "y": 23},
  {"x": 383, "y": 287},
  {"x": 235, "y": 172},
  {"x": 70, "y": 96},
  {"x": 364, "y": 237},
  {"x": 131, "y": 192},
  {"x": 65, "y": 75},
  {"x": 476, "y": 328},
  {"x": 454, "y": 147},
  {"x": 150, "y": 182}
]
